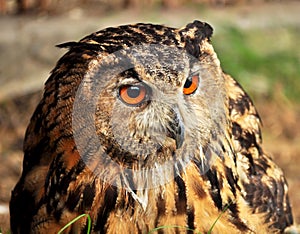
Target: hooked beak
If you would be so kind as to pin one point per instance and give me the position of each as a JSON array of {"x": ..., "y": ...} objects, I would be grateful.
[{"x": 177, "y": 130}]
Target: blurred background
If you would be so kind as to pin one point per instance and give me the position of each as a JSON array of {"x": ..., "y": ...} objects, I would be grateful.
[{"x": 257, "y": 42}]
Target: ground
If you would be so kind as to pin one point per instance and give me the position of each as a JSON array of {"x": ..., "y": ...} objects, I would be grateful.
[{"x": 27, "y": 56}]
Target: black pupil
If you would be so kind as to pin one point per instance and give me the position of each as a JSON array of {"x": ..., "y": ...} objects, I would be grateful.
[
  {"x": 188, "y": 83},
  {"x": 133, "y": 91}
]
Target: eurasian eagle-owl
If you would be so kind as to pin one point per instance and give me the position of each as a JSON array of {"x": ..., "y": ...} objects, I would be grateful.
[{"x": 140, "y": 129}]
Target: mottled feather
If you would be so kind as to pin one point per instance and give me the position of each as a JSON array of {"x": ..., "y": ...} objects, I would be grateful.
[{"x": 229, "y": 178}]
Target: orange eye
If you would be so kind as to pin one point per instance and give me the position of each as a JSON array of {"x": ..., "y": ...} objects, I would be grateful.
[
  {"x": 191, "y": 85},
  {"x": 133, "y": 94}
]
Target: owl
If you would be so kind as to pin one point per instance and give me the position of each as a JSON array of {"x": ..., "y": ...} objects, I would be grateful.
[{"x": 141, "y": 131}]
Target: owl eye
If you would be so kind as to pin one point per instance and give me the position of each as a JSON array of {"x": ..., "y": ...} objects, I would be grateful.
[
  {"x": 191, "y": 85},
  {"x": 133, "y": 94}
]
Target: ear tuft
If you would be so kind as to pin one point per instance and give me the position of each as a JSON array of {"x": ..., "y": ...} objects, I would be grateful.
[{"x": 193, "y": 34}]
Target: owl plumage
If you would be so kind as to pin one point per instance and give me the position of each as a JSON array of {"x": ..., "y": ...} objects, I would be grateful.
[{"x": 169, "y": 141}]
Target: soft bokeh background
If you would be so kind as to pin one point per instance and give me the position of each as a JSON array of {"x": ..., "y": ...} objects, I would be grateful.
[{"x": 257, "y": 42}]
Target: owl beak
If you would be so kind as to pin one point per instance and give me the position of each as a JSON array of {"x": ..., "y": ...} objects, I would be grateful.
[
  {"x": 179, "y": 136},
  {"x": 177, "y": 131}
]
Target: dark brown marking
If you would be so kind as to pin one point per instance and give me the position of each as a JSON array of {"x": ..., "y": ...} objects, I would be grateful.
[
  {"x": 181, "y": 201},
  {"x": 108, "y": 205},
  {"x": 190, "y": 219},
  {"x": 231, "y": 180},
  {"x": 199, "y": 191},
  {"x": 211, "y": 175},
  {"x": 234, "y": 211}
]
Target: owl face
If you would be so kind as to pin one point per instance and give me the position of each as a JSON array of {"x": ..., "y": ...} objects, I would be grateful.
[{"x": 149, "y": 109}]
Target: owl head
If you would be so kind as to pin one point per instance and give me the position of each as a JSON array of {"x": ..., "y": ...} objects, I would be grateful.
[{"x": 150, "y": 102}]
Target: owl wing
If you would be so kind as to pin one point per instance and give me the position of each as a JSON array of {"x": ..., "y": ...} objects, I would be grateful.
[
  {"x": 49, "y": 149},
  {"x": 261, "y": 181}
]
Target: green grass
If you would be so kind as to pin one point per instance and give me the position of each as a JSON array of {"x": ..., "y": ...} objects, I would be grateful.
[
  {"x": 189, "y": 229},
  {"x": 151, "y": 231},
  {"x": 265, "y": 61},
  {"x": 75, "y": 220}
]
